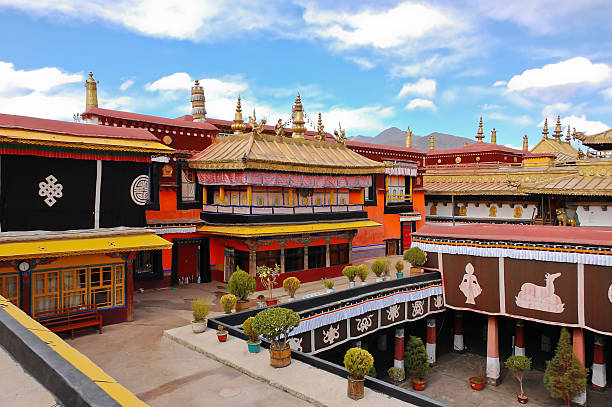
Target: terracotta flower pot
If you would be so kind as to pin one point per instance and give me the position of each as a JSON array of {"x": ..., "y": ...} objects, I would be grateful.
[
  {"x": 522, "y": 399},
  {"x": 242, "y": 305},
  {"x": 415, "y": 271},
  {"x": 280, "y": 357},
  {"x": 222, "y": 336},
  {"x": 477, "y": 383},
  {"x": 272, "y": 301},
  {"x": 355, "y": 388},
  {"x": 418, "y": 384}
]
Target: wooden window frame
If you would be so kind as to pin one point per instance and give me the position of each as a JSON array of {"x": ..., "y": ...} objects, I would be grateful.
[
  {"x": 104, "y": 286},
  {"x": 4, "y": 291},
  {"x": 36, "y": 297},
  {"x": 83, "y": 291}
]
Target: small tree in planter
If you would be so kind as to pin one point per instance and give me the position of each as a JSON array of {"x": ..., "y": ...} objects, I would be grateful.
[
  {"x": 397, "y": 374},
  {"x": 358, "y": 362},
  {"x": 399, "y": 269},
  {"x": 241, "y": 284},
  {"x": 416, "y": 362},
  {"x": 200, "y": 309},
  {"x": 362, "y": 272},
  {"x": 416, "y": 257},
  {"x": 518, "y": 365},
  {"x": 254, "y": 343},
  {"x": 329, "y": 285},
  {"x": 350, "y": 272},
  {"x": 387, "y": 275},
  {"x": 378, "y": 268},
  {"x": 228, "y": 302},
  {"x": 268, "y": 280},
  {"x": 275, "y": 324},
  {"x": 291, "y": 285},
  {"x": 565, "y": 377}
]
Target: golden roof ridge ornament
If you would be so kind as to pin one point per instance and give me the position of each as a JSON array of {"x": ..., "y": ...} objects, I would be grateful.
[
  {"x": 279, "y": 129},
  {"x": 340, "y": 135},
  {"x": 408, "y": 137},
  {"x": 525, "y": 143},
  {"x": 298, "y": 128},
  {"x": 320, "y": 129},
  {"x": 479, "y": 135},
  {"x": 493, "y": 136},
  {"x": 558, "y": 132},
  {"x": 431, "y": 142},
  {"x": 568, "y": 137},
  {"x": 91, "y": 97},
  {"x": 238, "y": 127},
  {"x": 545, "y": 129},
  {"x": 256, "y": 128}
]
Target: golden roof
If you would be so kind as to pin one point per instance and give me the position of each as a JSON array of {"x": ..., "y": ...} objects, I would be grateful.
[
  {"x": 252, "y": 151},
  {"x": 275, "y": 230},
  {"x": 470, "y": 188},
  {"x": 605, "y": 137},
  {"x": 563, "y": 151},
  {"x": 572, "y": 185}
]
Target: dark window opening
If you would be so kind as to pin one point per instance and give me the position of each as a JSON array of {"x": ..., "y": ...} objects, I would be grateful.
[
  {"x": 338, "y": 254},
  {"x": 241, "y": 259},
  {"x": 294, "y": 259},
  {"x": 148, "y": 265},
  {"x": 316, "y": 257},
  {"x": 268, "y": 258}
]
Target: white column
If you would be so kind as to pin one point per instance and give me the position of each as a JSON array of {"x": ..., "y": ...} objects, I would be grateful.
[
  {"x": 458, "y": 345},
  {"x": 598, "y": 379},
  {"x": 431, "y": 341}
]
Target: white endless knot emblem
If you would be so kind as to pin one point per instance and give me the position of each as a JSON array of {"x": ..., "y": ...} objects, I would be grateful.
[
  {"x": 140, "y": 190},
  {"x": 418, "y": 308},
  {"x": 393, "y": 312},
  {"x": 363, "y": 324},
  {"x": 51, "y": 189},
  {"x": 295, "y": 344},
  {"x": 331, "y": 335}
]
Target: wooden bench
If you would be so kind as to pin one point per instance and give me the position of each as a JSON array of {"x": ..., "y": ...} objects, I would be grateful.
[{"x": 69, "y": 319}]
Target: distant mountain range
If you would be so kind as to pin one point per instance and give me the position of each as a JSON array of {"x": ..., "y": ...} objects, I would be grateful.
[{"x": 396, "y": 137}]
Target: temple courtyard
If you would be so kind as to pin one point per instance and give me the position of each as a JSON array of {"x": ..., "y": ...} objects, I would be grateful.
[{"x": 162, "y": 372}]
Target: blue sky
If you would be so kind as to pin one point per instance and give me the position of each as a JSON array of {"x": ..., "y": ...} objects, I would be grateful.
[{"x": 436, "y": 66}]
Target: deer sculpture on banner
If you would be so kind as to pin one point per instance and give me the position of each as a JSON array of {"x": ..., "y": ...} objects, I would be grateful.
[{"x": 541, "y": 298}]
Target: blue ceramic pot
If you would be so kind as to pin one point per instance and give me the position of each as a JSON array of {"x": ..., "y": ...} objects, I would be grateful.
[
  {"x": 254, "y": 347},
  {"x": 400, "y": 275}
]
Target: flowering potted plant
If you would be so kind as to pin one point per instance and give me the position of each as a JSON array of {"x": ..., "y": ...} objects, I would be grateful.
[
  {"x": 350, "y": 272},
  {"x": 200, "y": 309},
  {"x": 221, "y": 333},
  {"x": 399, "y": 269},
  {"x": 358, "y": 362},
  {"x": 228, "y": 302},
  {"x": 291, "y": 285},
  {"x": 254, "y": 343},
  {"x": 241, "y": 284},
  {"x": 275, "y": 324},
  {"x": 362, "y": 272},
  {"x": 268, "y": 276},
  {"x": 329, "y": 285}
]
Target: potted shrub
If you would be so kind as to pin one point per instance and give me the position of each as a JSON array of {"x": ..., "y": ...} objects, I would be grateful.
[
  {"x": 387, "y": 275},
  {"x": 268, "y": 276},
  {"x": 254, "y": 343},
  {"x": 291, "y": 285},
  {"x": 477, "y": 382},
  {"x": 329, "y": 285},
  {"x": 399, "y": 269},
  {"x": 350, "y": 272},
  {"x": 565, "y": 377},
  {"x": 363, "y": 272},
  {"x": 378, "y": 268},
  {"x": 228, "y": 302},
  {"x": 518, "y": 365},
  {"x": 221, "y": 333},
  {"x": 358, "y": 362},
  {"x": 416, "y": 362},
  {"x": 416, "y": 257},
  {"x": 397, "y": 374},
  {"x": 275, "y": 324},
  {"x": 261, "y": 301},
  {"x": 200, "y": 309},
  {"x": 241, "y": 284}
]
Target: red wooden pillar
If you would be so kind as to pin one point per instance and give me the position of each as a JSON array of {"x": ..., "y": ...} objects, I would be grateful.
[
  {"x": 598, "y": 379},
  {"x": 431, "y": 341},
  {"x": 493, "y": 368},
  {"x": 398, "y": 360},
  {"x": 578, "y": 344},
  {"x": 519, "y": 340},
  {"x": 458, "y": 345}
]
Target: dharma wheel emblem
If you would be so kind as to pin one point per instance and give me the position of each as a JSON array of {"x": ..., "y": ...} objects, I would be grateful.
[
  {"x": 140, "y": 190},
  {"x": 51, "y": 189}
]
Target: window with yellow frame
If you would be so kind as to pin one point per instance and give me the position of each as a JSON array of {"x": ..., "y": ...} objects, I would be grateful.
[{"x": 9, "y": 287}]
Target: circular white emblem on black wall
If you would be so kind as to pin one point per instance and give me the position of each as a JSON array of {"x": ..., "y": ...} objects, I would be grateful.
[{"x": 140, "y": 190}]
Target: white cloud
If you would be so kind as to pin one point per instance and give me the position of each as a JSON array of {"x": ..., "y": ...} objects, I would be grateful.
[
  {"x": 490, "y": 107},
  {"x": 580, "y": 123},
  {"x": 365, "y": 119},
  {"x": 571, "y": 72},
  {"x": 556, "y": 109},
  {"x": 422, "y": 87},
  {"x": 126, "y": 85},
  {"x": 362, "y": 62},
  {"x": 499, "y": 83},
  {"x": 523, "y": 119},
  {"x": 42, "y": 79},
  {"x": 607, "y": 93},
  {"x": 420, "y": 104}
]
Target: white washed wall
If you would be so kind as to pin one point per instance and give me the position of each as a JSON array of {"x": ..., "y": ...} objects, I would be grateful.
[{"x": 594, "y": 216}]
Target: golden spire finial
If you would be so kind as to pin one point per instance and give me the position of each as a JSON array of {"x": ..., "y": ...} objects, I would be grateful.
[
  {"x": 545, "y": 129},
  {"x": 493, "y": 136},
  {"x": 558, "y": 132},
  {"x": 320, "y": 129},
  {"x": 479, "y": 135},
  {"x": 525, "y": 143},
  {"x": 198, "y": 102},
  {"x": 91, "y": 96},
  {"x": 465, "y": 144},
  {"x": 408, "y": 137},
  {"x": 298, "y": 128},
  {"x": 568, "y": 137},
  {"x": 431, "y": 141},
  {"x": 238, "y": 126}
]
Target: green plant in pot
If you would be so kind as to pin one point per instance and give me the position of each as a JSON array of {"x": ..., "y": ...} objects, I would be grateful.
[
  {"x": 479, "y": 378},
  {"x": 291, "y": 285},
  {"x": 518, "y": 365},
  {"x": 267, "y": 276},
  {"x": 415, "y": 359},
  {"x": 241, "y": 284},
  {"x": 378, "y": 268},
  {"x": 358, "y": 362},
  {"x": 363, "y": 272},
  {"x": 416, "y": 257},
  {"x": 350, "y": 272},
  {"x": 397, "y": 374},
  {"x": 254, "y": 343},
  {"x": 200, "y": 309},
  {"x": 221, "y": 333},
  {"x": 565, "y": 377},
  {"x": 329, "y": 285},
  {"x": 275, "y": 324},
  {"x": 399, "y": 269},
  {"x": 387, "y": 275},
  {"x": 261, "y": 301},
  {"x": 228, "y": 302}
]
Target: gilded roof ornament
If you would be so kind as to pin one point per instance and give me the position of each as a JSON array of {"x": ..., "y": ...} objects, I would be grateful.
[
  {"x": 493, "y": 136},
  {"x": 568, "y": 137},
  {"x": 525, "y": 143},
  {"x": 238, "y": 126},
  {"x": 558, "y": 133},
  {"x": 256, "y": 128},
  {"x": 279, "y": 129},
  {"x": 298, "y": 128},
  {"x": 340, "y": 135},
  {"x": 545, "y": 129},
  {"x": 91, "y": 97},
  {"x": 198, "y": 102},
  {"x": 479, "y": 135},
  {"x": 320, "y": 129},
  {"x": 408, "y": 137},
  {"x": 431, "y": 141}
]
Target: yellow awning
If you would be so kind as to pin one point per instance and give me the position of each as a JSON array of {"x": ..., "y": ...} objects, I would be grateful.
[
  {"x": 89, "y": 142},
  {"x": 83, "y": 245},
  {"x": 267, "y": 230}
]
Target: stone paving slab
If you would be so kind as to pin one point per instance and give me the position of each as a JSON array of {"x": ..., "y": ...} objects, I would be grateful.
[{"x": 299, "y": 379}]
